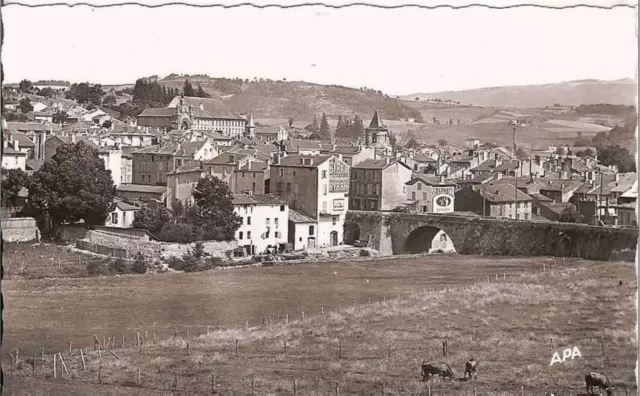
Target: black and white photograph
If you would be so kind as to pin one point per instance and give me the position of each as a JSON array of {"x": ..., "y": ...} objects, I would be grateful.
[{"x": 280, "y": 198}]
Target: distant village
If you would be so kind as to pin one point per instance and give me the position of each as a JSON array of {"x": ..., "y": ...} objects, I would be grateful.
[{"x": 293, "y": 192}]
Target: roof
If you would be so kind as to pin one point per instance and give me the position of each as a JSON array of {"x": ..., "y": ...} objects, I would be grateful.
[
  {"x": 225, "y": 159},
  {"x": 485, "y": 166},
  {"x": 297, "y": 217},
  {"x": 420, "y": 157},
  {"x": 22, "y": 139},
  {"x": 142, "y": 188},
  {"x": 556, "y": 207},
  {"x": 10, "y": 151},
  {"x": 506, "y": 166},
  {"x": 431, "y": 181},
  {"x": 34, "y": 164},
  {"x": 625, "y": 182},
  {"x": 256, "y": 166},
  {"x": 157, "y": 149},
  {"x": 33, "y": 126},
  {"x": 376, "y": 121},
  {"x": 215, "y": 135},
  {"x": 189, "y": 149},
  {"x": 632, "y": 192},
  {"x": 540, "y": 197},
  {"x": 252, "y": 152},
  {"x": 298, "y": 160},
  {"x": 212, "y": 108},
  {"x": 188, "y": 167},
  {"x": 467, "y": 159},
  {"x": 346, "y": 150},
  {"x": 157, "y": 112},
  {"x": 377, "y": 164},
  {"x": 557, "y": 184},
  {"x": 125, "y": 206},
  {"x": 502, "y": 193},
  {"x": 269, "y": 130},
  {"x": 258, "y": 199},
  {"x": 295, "y": 145},
  {"x": 127, "y": 151}
]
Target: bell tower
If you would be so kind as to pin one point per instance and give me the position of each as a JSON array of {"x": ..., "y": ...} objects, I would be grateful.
[{"x": 377, "y": 134}]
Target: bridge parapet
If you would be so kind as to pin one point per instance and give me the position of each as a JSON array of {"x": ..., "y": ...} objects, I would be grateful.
[{"x": 398, "y": 233}]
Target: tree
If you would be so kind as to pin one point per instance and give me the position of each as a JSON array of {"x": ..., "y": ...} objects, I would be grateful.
[
  {"x": 13, "y": 180},
  {"x": 71, "y": 186},
  {"x": 188, "y": 90},
  {"x": 442, "y": 143},
  {"x": 618, "y": 156},
  {"x": 107, "y": 124},
  {"x": 561, "y": 151},
  {"x": 109, "y": 100},
  {"x": 313, "y": 127},
  {"x": 324, "y": 126},
  {"x": 570, "y": 215},
  {"x": 25, "y": 86},
  {"x": 86, "y": 93},
  {"x": 201, "y": 93},
  {"x": 60, "y": 117},
  {"x": 47, "y": 92},
  {"x": 290, "y": 122},
  {"x": 25, "y": 105},
  {"x": 521, "y": 155},
  {"x": 214, "y": 204},
  {"x": 152, "y": 217}
]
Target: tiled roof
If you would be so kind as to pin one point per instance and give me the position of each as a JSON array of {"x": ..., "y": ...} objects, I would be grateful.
[
  {"x": 540, "y": 197},
  {"x": 376, "y": 121},
  {"x": 557, "y": 184},
  {"x": 346, "y": 150},
  {"x": 502, "y": 193},
  {"x": 125, "y": 206},
  {"x": 420, "y": 157},
  {"x": 485, "y": 166},
  {"x": 33, "y": 126},
  {"x": 187, "y": 167},
  {"x": 252, "y": 152},
  {"x": 266, "y": 148},
  {"x": 34, "y": 164},
  {"x": 376, "y": 164},
  {"x": 258, "y": 199},
  {"x": 298, "y": 217},
  {"x": 556, "y": 207},
  {"x": 189, "y": 149},
  {"x": 467, "y": 159},
  {"x": 255, "y": 166},
  {"x": 268, "y": 130},
  {"x": 127, "y": 151},
  {"x": 215, "y": 135},
  {"x": 157, "y": 112},
  {"x": 431, "y": 181},
  {"x": 10, "y": 151},
  {"x": 157, "y": 149},
  {"x": 142, "y": 188},
  {"x": 294, "y": 145},
  {"x": 213, "y": 108},
  {"x": 312, "y": 161},
  {"x": 506, "y": 166},
  {"x": 625, "y": 182},
  {"x": 224, "y": 159},
  {"x": 22, "y": 139}
]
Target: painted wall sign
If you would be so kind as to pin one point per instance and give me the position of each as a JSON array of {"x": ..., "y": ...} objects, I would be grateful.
[
  {"x": 338, "y": 176},
  {"x": 338, "y": 204}
]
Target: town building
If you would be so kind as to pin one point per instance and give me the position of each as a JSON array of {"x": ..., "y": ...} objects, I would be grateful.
[
  {"x": 276, "y": 133},
  {"x": 302, "y": 231},
  {"x": 499, "y": 201},
  {"x": 430, "y": 194},
  {"x": 225, "y": 166},
  {"x": 252, "y": 176},
  {"x": 265, "y": 223},
  {"x": 377, "y": 135},
  {"x": 182, "y": 181},
  {"x": 122, "y": 215},
  {"x": 12, "y": 157},
  {"x": 184, "y": 113},
  {"x": 126, "y": 165},
  {"x": 151, "y": 164},
  {"x": 317, "y": 187},
  {"x": 142, "y": 192},
  {"x": 378, "y": 184}
]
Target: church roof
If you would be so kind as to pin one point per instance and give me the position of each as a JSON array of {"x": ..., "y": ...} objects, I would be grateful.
[{"x": 376, "y": 122}]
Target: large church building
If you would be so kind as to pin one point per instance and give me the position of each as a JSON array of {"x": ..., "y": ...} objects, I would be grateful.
[{"x": 185, "y": 112}]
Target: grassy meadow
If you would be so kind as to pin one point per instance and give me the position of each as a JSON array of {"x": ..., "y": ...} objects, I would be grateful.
[{"x": 368, "y": 325}]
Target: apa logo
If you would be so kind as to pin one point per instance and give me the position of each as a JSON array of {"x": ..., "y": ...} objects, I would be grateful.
[{"x": 567, "y": 353}]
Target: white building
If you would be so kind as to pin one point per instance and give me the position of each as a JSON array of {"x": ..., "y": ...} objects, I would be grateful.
[
  {"x": 302, "y": 231},
  {"x": 13, "y": 157},
  {"x": 265, "y": 222},
  {"x": 122, "y": 216},
  {"x": 112, "y": 158}
]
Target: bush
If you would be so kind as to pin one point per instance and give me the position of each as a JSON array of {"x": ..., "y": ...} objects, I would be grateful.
[
  {"x": 176, "y": 264},
  {"x": 97, "y": 268},
  {"x": 179, "y": 232},
  {"x": 213, "y": 262},
  {"x": 139, "y": 267},
  {"x": 190, "y": 263},
  {"x": 198, "y": 250},
  {"x": 119, "y": 266}
]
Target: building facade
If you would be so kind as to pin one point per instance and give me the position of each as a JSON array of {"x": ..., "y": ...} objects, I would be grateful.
[
  {"x": 430, "y": 194},
  {"x": 122, "y": 216},
  {"x": 150, "y": 165},
  {"x": 317, "y": 187},
  {"x": 265, "y": 223},
  {"x": 498, "y": 201},
  {"x": 378, "y": 184}
]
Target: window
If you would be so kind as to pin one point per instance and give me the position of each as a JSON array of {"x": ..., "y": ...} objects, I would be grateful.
[
  {"x": 324, "y": 189},
  {"x": 282, "y": 208},
  {"x": 281, "y": 172},
  {"x": 374, "y": 204},
  {"x": 377, "y": 189},
  {"x": 114, "y": 218},
  {"x": 249, "y": 220},
  {"x": 424, "y": 208},
  {"x": 517, "y": 216},
  {"x": 254, "y": 174},
  {"x": 443, "y": 238},
  {"x": 253, "y": 186},
  {"x": 277, "y": 234},
  {"x": 311, "y": 230},
  {"x": 275, "y": 221},
  {"x": 243, "y": 175},
  {"x": 413, "y": 195},
  {"x": 424, "y": 196},
  {"x": 143, "y": 178},
  {"x": 288, "y": 187},
  {"x": 294, "y": 173},
  {"x": 279, "y": 187},
  {"x": 248, "y": 234},
  {"x": 267, "y": 222},
  {"x": 526, "y": 216},
  {"x": 240, "y": 235},
  {"x": 419, "y": 186},
  {"x": 324, "y": 174}
]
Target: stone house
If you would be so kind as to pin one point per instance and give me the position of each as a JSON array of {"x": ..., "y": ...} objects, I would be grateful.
[
  {"x": 500, "y": 201},
  {"x": 378, "y": 184},
  {"x": 430, "y": 194}
]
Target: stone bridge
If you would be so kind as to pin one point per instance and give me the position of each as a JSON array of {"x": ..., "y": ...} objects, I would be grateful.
[{"x": 398, "y": 233}]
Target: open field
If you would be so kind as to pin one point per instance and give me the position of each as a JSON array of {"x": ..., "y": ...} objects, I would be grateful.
[{"x": 511, "y": 325}]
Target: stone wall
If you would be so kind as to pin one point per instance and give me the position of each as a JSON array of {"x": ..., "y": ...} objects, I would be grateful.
[
  {"x": 20, "y": 229},
  {"x": 150, "y": 249},
  {"x": 482, "y": 236}
]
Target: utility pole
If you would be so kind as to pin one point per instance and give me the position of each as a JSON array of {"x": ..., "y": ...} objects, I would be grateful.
[{"x": 515, "y": 215}]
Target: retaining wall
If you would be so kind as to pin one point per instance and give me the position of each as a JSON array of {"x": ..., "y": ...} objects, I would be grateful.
[{"x": 20, "y": 229}]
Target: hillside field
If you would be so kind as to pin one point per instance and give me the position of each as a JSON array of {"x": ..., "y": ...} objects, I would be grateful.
[{"x": 385, "y": 316}]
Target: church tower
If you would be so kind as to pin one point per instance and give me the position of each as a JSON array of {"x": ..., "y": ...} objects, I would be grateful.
[
  {"x": 250, "y": 128},
  {"x": 377, "y": 134}
]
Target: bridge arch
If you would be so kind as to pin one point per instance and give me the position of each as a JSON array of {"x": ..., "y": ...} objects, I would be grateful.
[{"x": 428, "y": 238}]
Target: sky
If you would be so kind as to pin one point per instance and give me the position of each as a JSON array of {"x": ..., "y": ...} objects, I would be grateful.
[{"x": 401, "y": 51}]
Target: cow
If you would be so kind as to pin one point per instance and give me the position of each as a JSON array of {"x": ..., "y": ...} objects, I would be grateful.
[
  {"x": 441, "y": 369},
  {"x": 596, "y": 380},
  {"x": 470, "y": 368}
]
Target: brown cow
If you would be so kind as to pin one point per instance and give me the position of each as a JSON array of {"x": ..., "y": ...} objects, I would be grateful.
[
  {"x": 441, "y": 369},
  {"x": 470, "y": 368}
]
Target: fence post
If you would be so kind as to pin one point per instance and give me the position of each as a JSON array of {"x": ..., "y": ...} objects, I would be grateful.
[
  {"x": 236, "y": 347},
  {"x": 99, "y": 374},
  {"x": 55, "y": 371},
  {"x": 213, "y": 383},
  {"x": 84, "y": 366},
  {"x": 337, "y": 389},
  {"x": 285, "y": 348},
  {"x": 138, "y": 376},
  {"x": 295, "y": 388},
  {"x": 339, "y": 348},
  {"x": 69, "y": 348}
]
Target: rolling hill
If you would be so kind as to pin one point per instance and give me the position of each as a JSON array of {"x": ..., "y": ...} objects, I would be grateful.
[{"x": 571, "y": 93}]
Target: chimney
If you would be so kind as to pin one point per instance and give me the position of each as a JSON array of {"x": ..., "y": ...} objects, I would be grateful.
[
  {"x": 442, "y": 179},
  {"x": 73, "y": 138},
  {"x": 617, "y": 176},
  {"x": 498, "y": 175},
  {"x": 301, "y": 161},
  {"x": 5, "y": 143},
  {"x": 249, "y": 192},
  {"x": 386, "y": 161},
  {"x": 298, "y": 147},
  {"x": 201, "y": 107},
  {"x": 249, "y": 165},
  {"x": 276, "y": 158},
  {"x": 232, "y": 158},
  {"x": 16, "y": 146}
]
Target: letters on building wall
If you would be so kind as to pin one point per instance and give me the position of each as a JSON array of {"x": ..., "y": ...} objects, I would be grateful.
[{"x": 338, "y": 176}]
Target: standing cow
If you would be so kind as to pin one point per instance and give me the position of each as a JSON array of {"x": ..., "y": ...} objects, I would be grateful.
[
  {"x": 596, "y": 380},
  {"x": 470, "y": 368},
  {"x": 441, "y": 369}
]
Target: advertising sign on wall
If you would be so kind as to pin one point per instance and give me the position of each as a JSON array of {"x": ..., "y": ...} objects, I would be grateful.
[
  {"x": 338, "y": 204},
  {"x": 338, "y": 176},
  {"x": 443, "y": 203}
]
